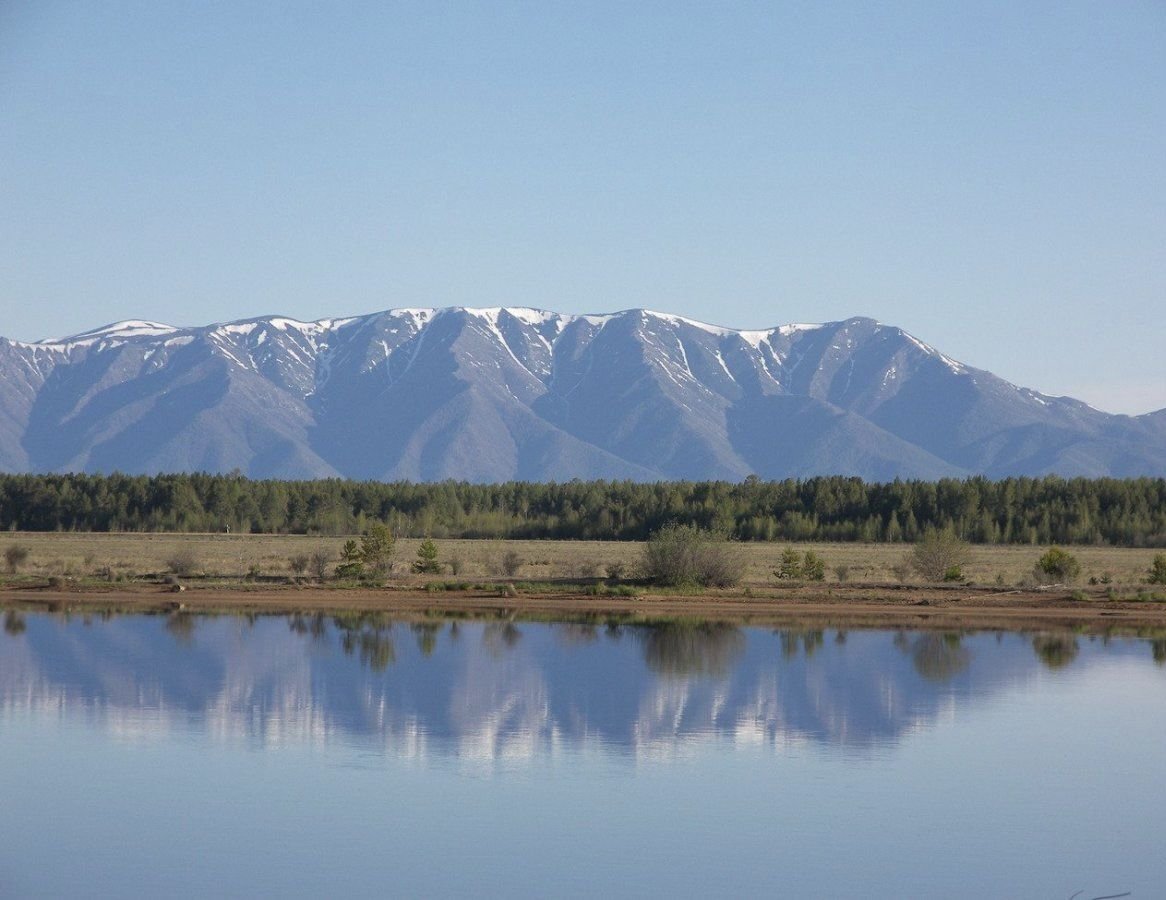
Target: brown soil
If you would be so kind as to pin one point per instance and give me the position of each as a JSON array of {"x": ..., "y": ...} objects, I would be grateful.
[{"x": 851, "y": 605}]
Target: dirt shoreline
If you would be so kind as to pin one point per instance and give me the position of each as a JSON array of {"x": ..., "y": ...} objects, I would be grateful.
[{"x": 849, "y": 606}]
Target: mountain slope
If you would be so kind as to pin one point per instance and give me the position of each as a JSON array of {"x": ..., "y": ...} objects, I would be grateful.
[{"x": 497, "y": 394}]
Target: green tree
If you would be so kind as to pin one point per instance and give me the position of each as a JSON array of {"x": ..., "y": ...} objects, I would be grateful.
[
  {"x": 376, "y": 549},
  {"x": 1158, "y": 569},
  {"x": 790, "y": 567},
  {"x": 351, "y": 561},
  {"x": 813, "y": 567},
  {"x": 426, "y": 562}
]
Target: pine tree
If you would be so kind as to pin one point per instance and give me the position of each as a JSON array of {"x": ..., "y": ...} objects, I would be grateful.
[{"x": 426, "y": 562}]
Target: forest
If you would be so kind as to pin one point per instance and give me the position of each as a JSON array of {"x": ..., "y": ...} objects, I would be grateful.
[{"x": 1120, "y": 512}]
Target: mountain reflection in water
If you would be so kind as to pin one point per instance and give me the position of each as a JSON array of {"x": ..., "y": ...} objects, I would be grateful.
[{"x": 493, "y": 689}]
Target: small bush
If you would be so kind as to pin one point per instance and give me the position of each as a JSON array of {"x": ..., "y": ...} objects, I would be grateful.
[
  {"x": 678, "y": 555},
  {"x": 299, "y": 563},
  {"x": 939, "y": 555},
  {"x": 902, "y": 569},
  {"x": 319, "y": 563},
  {"x": 510, "y": 563},
  {"x": 1056, "y": 566},
  {"x": 842, "y": 572},
  {"x": 605, "y": 590},
  {"x": 615, "y": 571},
  {"x": 455, "y": 565},
  {"x": 582, "y": 570},
  {"x": 1158, "y": 569},
  {"x": 184, "y": 562},
  {"x": 15, "y": 556},
  {"x": 795, "y": 566}
]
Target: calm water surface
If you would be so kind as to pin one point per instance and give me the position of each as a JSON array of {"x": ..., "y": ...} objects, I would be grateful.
[{"x": 186, "y": 756}]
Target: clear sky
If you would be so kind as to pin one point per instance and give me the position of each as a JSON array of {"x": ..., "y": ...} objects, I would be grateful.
[{"x": 989, "y": 176}]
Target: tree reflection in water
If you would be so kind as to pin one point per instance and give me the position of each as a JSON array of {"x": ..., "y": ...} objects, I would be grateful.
[
  {"x": 316, "y": 626},
  {"x": 940, "y": 656},
  {"x": 809, "y": 639},
  {"x": 1158, "y": 649},
  {"x": 678, "y": 649},
  {"x": 376, "y": 648},
  {"x": 572, "y": 633},
  {"x": 368, "y": 633},
  {"x": 426, "y": 633},
  {"x": 498, "y": 637},
  {"x": 1055, "y": 650},
  {"x": 181, "y": 625},
  {"x": 14, "y": 623}
]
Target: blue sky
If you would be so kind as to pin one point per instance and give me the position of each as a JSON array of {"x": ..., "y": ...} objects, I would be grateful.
[{"x": 989, "y": 176}]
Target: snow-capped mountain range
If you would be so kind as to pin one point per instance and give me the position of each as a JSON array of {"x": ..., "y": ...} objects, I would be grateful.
[{"x": 514, "y": 393}]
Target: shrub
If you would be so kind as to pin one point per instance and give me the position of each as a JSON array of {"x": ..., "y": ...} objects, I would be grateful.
[
  {"x": 615, "y": 571},
  {"x": 939, "y": 556},
  {"x": 795, "y": 566},
  {"x": 426, "y": 562},
  {"x": 1056, "y": 565},
  {"x": 184, "y": 562},
  {"x": 455, "y": 565},
  {"x": 319, "y": 563},
  {"x": 510, "y": 563},
  {"x": 15, "y": 556},
  {"x": 902, "y": 569},
  {"x": 842, "y": 572},
  {"x": 299, "y": 563},
  {"x": 679, "y": 555},
  {"x": 1158, "y": 569},
  {"x": 582, "y": 570}
]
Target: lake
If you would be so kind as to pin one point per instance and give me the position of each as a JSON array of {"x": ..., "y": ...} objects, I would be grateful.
[{"x": 353, "y": 756}]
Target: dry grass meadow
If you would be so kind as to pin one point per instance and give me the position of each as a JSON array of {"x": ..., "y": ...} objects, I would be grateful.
[{"x": 231, "y": 557}]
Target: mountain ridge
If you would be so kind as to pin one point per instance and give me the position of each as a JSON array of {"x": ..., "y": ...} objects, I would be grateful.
[{"x": 501, "y": 393}]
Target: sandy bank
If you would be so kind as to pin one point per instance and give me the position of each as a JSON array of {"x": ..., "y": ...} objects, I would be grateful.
[{"x": 851, "y": 605}]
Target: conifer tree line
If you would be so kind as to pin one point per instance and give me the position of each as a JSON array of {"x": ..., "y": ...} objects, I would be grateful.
[{"x": 1126, "y": 512}]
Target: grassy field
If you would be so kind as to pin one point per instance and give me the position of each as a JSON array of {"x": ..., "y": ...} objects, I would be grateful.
[{"x": 238, "y": 556}]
